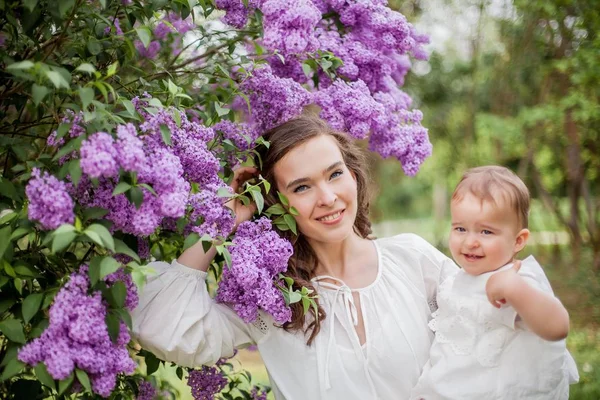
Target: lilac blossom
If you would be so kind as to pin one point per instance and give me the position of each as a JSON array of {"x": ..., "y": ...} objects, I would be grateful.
[
  {"x": 241, "y": 135},
  {"x": 149, "y": 52},
  {"x": 236, "y": 12},
  {"x": 273, "y": 100},
  {"x": 289, "y": 26},
  {"x": 77, "y": 337},
  {"x": 206, "y": 382},
  {"x": 258, "y": 256},
  {"x": 216, "y": 219},
  {"x": 146, "y": 391},
  {"x": 162, "y": 30},
  {"x": 349, "y": 107},
  {"x": 98, "y": 156},
  {"x": 49, "y": 200}
]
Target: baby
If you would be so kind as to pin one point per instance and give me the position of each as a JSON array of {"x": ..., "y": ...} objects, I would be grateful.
[{"x": 499, "y": 330}]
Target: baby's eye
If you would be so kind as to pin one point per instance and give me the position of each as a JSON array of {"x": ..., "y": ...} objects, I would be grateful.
[
  {"x": 487, "y": 232},
  {"x": 300, "y": 188},
  {"x": 336, "y": 174}
]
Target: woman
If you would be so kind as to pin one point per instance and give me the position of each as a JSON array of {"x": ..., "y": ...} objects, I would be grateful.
[{"x": 376, "y": 296}]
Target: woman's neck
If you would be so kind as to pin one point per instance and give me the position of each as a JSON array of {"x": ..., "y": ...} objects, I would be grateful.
[{"x": 338, "y": 259}]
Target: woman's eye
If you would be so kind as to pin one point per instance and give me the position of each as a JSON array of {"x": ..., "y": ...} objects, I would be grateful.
[
  {"x": 336, "y": 174},
  {"x": 487, "y": 232},
  {"x": 459, "y": 229},
  {"x": 300, "y": 188}
]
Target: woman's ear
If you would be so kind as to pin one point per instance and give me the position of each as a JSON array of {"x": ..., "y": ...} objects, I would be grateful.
[{"x": 521, "y": 239}]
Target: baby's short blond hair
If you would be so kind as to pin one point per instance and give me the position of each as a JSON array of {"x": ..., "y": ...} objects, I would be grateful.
[{"x": 492, "y": 181}]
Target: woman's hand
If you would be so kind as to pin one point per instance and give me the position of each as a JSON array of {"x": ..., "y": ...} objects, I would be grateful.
[
  {"x": 241, "y": 211},
  {"x": 499, "y": 286}
]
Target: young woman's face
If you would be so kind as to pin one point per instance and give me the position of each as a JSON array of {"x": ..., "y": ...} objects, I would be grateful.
[{"x": 317, "y": 182}]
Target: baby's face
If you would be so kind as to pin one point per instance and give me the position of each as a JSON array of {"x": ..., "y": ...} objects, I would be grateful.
[{"x": 484, "y": 236}]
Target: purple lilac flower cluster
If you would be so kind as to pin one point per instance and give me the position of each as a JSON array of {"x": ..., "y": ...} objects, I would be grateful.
[
  {"x": 258, "y": 394},
  {"x": 146, "y": 391},
  {"x": 258, "y": 256},
  {"x": 373, "y": 42},
  {"x": 349, "y": 107},
  {"x": 273, "y": 100},
  {"x": 206, "y": 382},
  {"x": 49, "y": 200},
  {"x": 289, "y": 26},
  {"x": 167, "y": 168},
  {"x": 207, "y": 206},
  {"x": 77, "y": 337}
]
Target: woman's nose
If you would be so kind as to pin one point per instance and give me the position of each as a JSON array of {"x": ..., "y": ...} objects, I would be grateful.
[{"x": 327, "y": 198}]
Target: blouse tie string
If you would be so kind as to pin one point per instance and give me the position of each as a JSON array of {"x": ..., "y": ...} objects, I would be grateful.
[{"x": 351, "y": 312}]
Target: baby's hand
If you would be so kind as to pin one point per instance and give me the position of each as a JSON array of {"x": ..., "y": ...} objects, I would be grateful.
[{"x": 499, "y": 285}]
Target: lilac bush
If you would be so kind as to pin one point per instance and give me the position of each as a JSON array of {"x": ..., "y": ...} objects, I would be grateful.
[{"x": 126, "y": 123}]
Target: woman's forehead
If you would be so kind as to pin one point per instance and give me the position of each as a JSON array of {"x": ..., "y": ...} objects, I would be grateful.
[{"x": 308, "y": 159}]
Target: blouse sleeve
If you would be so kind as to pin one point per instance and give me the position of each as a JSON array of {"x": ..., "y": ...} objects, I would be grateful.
[{"x": 178, "y": 321}]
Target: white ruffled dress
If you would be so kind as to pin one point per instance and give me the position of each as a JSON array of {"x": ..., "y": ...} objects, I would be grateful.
[
  {"x": 178, "y": 321},
  {"x": 481, "y": 352}
]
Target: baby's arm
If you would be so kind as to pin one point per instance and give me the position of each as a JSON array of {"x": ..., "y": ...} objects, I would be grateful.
[{"x": 541, "y": 311}]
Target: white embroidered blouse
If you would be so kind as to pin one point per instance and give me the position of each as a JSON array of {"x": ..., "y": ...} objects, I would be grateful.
[{"x": 178, "y": 321}]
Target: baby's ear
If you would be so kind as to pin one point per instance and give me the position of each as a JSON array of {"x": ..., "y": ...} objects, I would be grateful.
[{"x": 521, "y": 239}]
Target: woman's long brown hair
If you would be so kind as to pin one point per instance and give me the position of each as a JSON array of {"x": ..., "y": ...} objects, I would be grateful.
[{"x": 302, "y": 264}]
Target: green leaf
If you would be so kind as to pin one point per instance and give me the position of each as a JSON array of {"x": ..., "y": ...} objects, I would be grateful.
[
  {"x": 108, "y": 266},
  {"x": 152, "y": 363},
  {"x": 104, "y": 234},
  {"x": 112, "y": 69},
  {"x": 86, "y": 94},
  {"x": 63, "y": 237},
  {"x": 117, "y": 294},
  {"x": 57, "y": 79},
  {"x": 94, "y": 47},
  {"x": 75, "y": 171},
  {"x": 128, "y": 106},
  {"x": 6, "y": 304},
  {"x": 30, "y": 4},
  {"x": 71, "y": 146},
  {"x": 258, "y": 199},
  {"x": 18, "y": 285},
  {"x": 275, "y": 209},
  {"x": 144, "y": 34},
  {"x": 94, "y": 269},
  {"x": 308, "y": 71},
  {"x": 125, "y": 317},
  {"x": 165, "y": 133},
  {"x": 8, "y": 189},
  {"x": 227, "y": 256},
  {"x": 113, "y": 324},
  {"x": 191, "y": 240},
  {"x": 38, "y": 93},
  {"x": 295, "y": 297},
  {"x": 39, "y": 328},
  {"x": 225, "y": 193},
  {"x": 13, "y": 367},
  {"x": 122, "y": 187},
  {"x": 31, "y": 306},
  {"x": 26, "y": 271},
  {"x": 305, "y": 304},
  {"x": 148, "y": 188},
  {"x": 5, "y": 234},
  {"x": 64, "y": 6},
  {"x": 293, "y": 211},
  {"x": 65, "y": 384},
  {"x": 19, "y": 66},
  {"x": 291, "y": 222},
  {"x": 94, "y": 213},
  {"x": 43, "y": 376},
  {"x": 122, "y": 248},
  {"x": 136, "y": 196},
  {"x": 8, "y": 216},
  {"x": 12, "y": 329},
  {"x": 85, "y": 67},
  {"x": 84, "y": 379},
  {"x": 221, "y": 111},
  {"x": 283, "y": 200}
]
